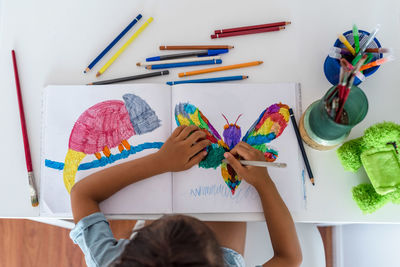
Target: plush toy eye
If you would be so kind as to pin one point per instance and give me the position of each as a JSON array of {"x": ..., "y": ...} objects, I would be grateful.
[{"x": 394, "y": 144}]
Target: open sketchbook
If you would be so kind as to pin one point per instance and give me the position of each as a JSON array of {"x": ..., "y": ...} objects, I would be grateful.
[{"x": 88, "y": 128}]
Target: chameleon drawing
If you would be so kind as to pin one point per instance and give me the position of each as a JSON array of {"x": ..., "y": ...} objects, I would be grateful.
[
  {"x": 270, "y": 125},
  {"x": 104, "y": 126}
]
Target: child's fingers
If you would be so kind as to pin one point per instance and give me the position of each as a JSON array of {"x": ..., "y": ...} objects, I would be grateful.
[
  {"x": 195, "y": 136},
  {"x": 199, "y": 146},
  {"x": 185, "y": 132},
  {"x": 241, "y": 151},
  {"x": 196, "y": 159},
  {"x": 178, "y": 130},
  {"x": 246, "y": 146},
  {"x": 239, "y": 169},
  {"x": 247, "y": 152}
]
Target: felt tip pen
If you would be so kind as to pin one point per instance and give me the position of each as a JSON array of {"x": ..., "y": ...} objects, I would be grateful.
[
  {"x": 356, "y": 38},
  {"x": 369, "y": 40}
]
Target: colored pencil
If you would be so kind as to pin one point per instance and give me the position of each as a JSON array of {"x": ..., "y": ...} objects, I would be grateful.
[
  {"x": 211, "y": 80},
  {"x": 261, "y": 30},
  {"x": 346, "y": 44},
  {"x": 29, "y": 167},
  {"x": 245, "y": 28},
  {"x": 194, "y": 47},
  {"x": 377, "y": 63},
  {"x": 179, "y": 60},
  {"x": 300, "y": 142},
  {"x": 130, "y": 78},
  {"x": 94, "y": 62},
  {"x": 260, "y": 163},
  {"x": 122, "y": 49},
  {"x": 189, "y": 54},
  {"x": 229, "y": 67},
  {"x": 184, "y": 64}
]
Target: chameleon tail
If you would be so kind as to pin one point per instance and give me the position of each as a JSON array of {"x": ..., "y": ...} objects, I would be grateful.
[{"x": 72, "y": 160}]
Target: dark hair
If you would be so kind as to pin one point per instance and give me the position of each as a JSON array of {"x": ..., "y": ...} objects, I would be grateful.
[{"x": 175, "y": 240}]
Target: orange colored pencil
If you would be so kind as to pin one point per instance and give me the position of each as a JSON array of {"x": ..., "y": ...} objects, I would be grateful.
[
  {"x": 229, "y": 67},
  {"x": 194, "y": 47}
]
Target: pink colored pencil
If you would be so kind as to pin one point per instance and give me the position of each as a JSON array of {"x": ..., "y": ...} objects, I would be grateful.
[
  {"x": 245, "y": 28},
  {"x": 34, "y": 198},
  {"x": 229, "y": 34}
]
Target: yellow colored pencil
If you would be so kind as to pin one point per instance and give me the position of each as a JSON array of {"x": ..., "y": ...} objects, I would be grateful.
[
  {"x": 229, "y": 67},
  {"x": 346, "y": 44},
  {"x": 122, "y": 49}
]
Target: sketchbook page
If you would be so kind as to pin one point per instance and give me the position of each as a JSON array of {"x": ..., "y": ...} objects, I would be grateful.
[
  {"x": 104, "y": 116},
  {"x": 201, "y": 190}
]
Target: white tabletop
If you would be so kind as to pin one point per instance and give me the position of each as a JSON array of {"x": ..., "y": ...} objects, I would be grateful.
[{"x": 55, "y": 41}]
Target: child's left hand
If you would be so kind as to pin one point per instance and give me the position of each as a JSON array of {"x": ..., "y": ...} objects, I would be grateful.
[{"x": 183, "y": 149}]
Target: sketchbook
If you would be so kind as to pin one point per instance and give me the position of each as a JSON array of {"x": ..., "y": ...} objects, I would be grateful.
[{"x": 88, "y": 128}]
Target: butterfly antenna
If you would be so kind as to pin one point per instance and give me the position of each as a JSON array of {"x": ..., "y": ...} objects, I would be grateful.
[
  {"x": 238, "y": 118},
  {"x": 225, "y": 118}
]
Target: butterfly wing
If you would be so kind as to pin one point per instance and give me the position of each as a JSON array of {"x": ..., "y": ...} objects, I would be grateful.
[
  {"x": 266, "y": 128},
  {"x": 270, "y": 125},
  {"x": 231, "y": 179},
  {"x": 188, "y": 114}
]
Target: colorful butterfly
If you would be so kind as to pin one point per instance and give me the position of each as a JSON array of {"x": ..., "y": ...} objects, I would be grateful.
[{"x": 266, "y": 128}]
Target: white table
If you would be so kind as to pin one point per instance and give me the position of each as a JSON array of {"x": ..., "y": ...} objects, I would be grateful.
[{"x": 55, "y": 40}]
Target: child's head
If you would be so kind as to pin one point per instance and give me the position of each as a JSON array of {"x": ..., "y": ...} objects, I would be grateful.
[{"x": 173, "y": 241}]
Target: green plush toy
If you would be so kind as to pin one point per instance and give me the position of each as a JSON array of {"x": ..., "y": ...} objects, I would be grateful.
[{"x": 378, "y": 152}]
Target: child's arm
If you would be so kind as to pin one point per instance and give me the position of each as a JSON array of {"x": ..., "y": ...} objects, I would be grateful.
[
  {"x": 287, "y": 251},
  {"x": 179, "y": 152}
]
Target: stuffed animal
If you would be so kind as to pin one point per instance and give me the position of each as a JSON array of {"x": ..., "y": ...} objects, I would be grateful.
[{"x": 378, "y": 151}]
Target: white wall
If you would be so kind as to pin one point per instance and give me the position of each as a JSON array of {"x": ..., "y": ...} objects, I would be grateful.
[
  {"x": 258, "y": 245},
  {"x": 370, "y": 245}
]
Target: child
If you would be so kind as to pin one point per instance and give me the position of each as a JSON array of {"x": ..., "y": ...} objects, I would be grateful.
[{"x": 178, "y": 240}]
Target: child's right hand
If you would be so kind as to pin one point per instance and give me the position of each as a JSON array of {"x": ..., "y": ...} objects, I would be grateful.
[{"x": 255, "y": 176}]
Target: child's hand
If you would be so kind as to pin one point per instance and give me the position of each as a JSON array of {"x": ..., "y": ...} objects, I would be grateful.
[
  {"x": 183, "y": 149},
  {"x": 251, "y": 174}
]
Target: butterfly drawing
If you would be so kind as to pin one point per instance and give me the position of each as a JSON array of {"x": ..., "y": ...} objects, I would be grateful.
[{"x": 269, "y": 125}]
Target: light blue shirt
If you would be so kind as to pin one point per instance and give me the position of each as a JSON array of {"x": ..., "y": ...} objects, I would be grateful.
[{"x": 97, "y": 242}]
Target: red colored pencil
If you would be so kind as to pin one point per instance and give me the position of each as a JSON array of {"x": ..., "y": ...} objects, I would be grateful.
[
  {"x": 34, "y": 198},
  {"x": 229, "y": 34},
  {"x": 245, "y": 28}
]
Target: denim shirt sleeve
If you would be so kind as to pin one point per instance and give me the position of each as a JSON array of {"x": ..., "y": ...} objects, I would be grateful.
[
  {"x": 232, "y": 258},
  {"x": 94, "y": 237}
]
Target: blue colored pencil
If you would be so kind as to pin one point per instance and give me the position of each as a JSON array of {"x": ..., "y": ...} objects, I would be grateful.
[
  {"x": 211, "y": 80},
  {"x": 183, "y": 64},
  {"x": 91, "y": 65},
  {"x": 205, "y": 53}
]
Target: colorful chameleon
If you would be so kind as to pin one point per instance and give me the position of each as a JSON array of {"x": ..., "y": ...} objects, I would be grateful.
[
  {"x": 104, "y": 126},
  {"x": 266, "y": 128}
]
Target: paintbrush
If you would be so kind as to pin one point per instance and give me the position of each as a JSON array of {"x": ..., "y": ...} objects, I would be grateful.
[{"x": 259, "y": 163}]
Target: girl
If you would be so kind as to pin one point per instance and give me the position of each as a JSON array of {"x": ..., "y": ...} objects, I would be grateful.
[{"x": 178, "y": 240}]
